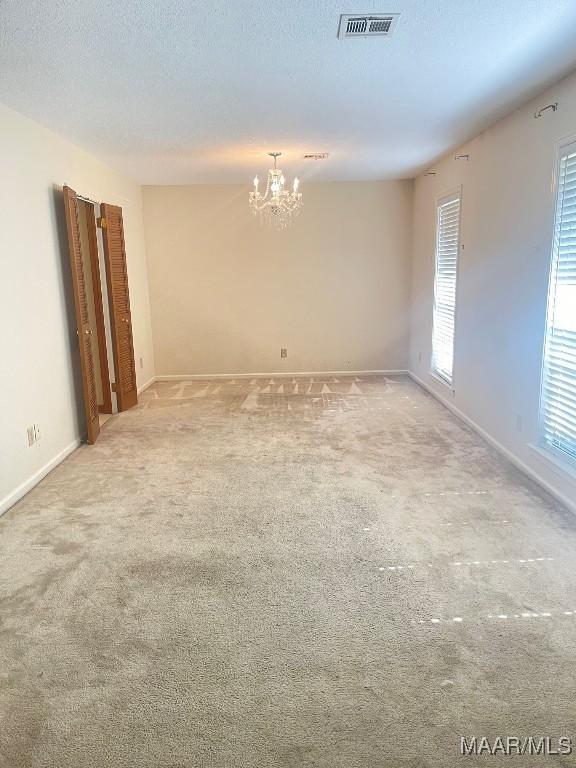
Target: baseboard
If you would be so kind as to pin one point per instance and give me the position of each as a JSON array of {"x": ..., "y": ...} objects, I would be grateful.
[
  {"x": 506, "y": 452},
  {"x": 27, "y": 485},
  {"x": 146, "y": 385},
  {"x": 283, "y": 374}
]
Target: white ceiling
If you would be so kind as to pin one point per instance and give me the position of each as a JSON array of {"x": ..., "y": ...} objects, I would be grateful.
[{"x": 183, "y": 91}]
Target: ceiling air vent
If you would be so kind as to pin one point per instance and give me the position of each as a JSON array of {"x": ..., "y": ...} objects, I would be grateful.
[
  {"x": 369, "y": 25},
  {"x": 316, "y": 156}
]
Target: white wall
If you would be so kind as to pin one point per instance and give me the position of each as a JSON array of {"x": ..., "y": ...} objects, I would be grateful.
[
  {"x": 507, "y": 218},
  {"x": 38, "y": 347},
  {"x": 226, "y": 294}
]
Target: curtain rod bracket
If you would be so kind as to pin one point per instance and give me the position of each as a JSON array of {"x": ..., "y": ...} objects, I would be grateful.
[{"x": 553, "y": 107}]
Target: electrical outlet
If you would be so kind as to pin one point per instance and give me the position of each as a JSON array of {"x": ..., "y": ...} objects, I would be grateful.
[
  {"x": 141, "y": 362},
  {"x": 37, "y": 434},
  {"x": 30, "y": 433},
  {"x": 283, "y": 352}
]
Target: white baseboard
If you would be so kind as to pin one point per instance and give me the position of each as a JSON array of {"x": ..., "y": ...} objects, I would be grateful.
[
  {"x": 27, "y": 485},
  {"x": 291, "y": 374},
  {"x": 146, "y": 385},
  {"x": 512, "y": 458}
]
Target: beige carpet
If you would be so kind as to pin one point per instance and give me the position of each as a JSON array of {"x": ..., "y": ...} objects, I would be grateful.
[{"x": 327, "y": 573}]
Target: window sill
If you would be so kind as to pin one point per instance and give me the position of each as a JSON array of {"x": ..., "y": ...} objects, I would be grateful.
[
  {"x": 555, "y": 461},
  {"x": 442, "y": 381}
]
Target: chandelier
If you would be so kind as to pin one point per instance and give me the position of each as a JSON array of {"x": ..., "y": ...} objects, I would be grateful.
[{"x": 277, "y": 205}]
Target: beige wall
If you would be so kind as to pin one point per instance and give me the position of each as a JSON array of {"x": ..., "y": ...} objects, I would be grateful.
[
  {"x": 226, "y": 295},
  {"x": 38, "y": 344},
  {"x": 507, "y": 225}
]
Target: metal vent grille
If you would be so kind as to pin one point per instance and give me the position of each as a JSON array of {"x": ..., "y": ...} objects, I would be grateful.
[
  {"x": 316, "y": 156},
  {"x": 367, "y": 26},
  {"x": 380, "y": 25},
  {"x": 356, "y": 26}
]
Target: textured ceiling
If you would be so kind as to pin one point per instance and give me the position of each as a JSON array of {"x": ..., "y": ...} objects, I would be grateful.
[{"x": 183, "y": 91}]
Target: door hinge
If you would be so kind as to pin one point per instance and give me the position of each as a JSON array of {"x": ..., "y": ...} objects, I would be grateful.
[
  {"x": 101, "y": 221},
  {"x": 113, "y": 386}
]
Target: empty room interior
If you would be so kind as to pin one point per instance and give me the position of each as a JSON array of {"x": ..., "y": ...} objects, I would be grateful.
[{"x": 288, "y": 392}]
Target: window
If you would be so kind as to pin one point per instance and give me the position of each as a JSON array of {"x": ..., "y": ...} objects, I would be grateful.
[
  {"x": 558, "y": 397},
  {"x": 447, "y": 244}
]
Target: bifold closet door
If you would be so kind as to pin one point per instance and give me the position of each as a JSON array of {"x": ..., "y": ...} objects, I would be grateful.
[
  {"x": 106, "y": 405},
  {"x": 79, "y": 264},
  {"x": 119, "y": 302}
]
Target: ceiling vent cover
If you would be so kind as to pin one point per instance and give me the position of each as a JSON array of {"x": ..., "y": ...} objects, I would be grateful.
[
  {"x": 316, "y": 156},
  {"x": 369, "y": 25}
]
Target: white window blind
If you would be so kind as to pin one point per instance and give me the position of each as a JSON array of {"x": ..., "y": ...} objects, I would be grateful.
[
  {"x": 558, "y": 398},
  {"x": 447, "y": 245}
]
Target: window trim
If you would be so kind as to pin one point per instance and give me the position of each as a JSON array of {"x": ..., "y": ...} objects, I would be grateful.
[
  {"x": 561, "y": 459},
  {"x": 451, "y": 195}
]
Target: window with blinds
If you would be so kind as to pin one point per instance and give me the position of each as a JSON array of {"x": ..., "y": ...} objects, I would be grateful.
[
  {"x": 558, "y": 397},
  {"x": 447, "y": 245}
]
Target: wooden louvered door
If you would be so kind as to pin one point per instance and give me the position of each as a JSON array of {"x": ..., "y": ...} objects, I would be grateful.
[
  {"x": 119, "y": 301},
  {"x": 78, "y": 262}
]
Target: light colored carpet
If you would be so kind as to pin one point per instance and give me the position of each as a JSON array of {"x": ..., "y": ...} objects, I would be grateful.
[{"x": 327, "y": 573}]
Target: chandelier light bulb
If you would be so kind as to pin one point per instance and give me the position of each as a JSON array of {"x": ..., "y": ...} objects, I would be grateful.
[
  {"x": 256, "y": 183},
  {"x": 296, "y": 183}
]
